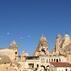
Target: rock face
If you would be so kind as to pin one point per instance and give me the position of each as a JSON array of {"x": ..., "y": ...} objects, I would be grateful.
[
  {"x": 63, "y": 46},
  {"x": 58, "y": 44},
  {"x": 67, "y": 52},
  {"x": 42, "y": 48},
  {"x": 67, "y": 49},
  {"x": 61, "y": 43},
  {"x": 66, "y": 40},
  {"x": 11, "y": 51}
]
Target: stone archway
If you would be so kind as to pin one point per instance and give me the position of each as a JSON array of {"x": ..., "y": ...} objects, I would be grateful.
[
  {"x": 47, "y": 68},
  {"x": 42, "y": 68}
]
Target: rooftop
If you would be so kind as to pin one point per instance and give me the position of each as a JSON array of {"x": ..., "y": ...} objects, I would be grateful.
[{"x": 61, "y": 64}]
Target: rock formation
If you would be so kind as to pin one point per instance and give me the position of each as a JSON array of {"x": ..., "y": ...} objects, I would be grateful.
[
  {"x": 58, "y": 44},
  {"x": 42, "y": 48},
  {"x": 66, "y": 40},
  {"x": 63, "y": 46}
]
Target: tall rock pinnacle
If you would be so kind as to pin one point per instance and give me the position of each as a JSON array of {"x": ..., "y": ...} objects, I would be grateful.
[{"x": 42, "y": 48}]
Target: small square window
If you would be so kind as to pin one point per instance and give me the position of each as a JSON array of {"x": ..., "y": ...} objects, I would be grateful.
[
  {"x": 15, "y": 52},
  {"x": 31, "y": 65}
]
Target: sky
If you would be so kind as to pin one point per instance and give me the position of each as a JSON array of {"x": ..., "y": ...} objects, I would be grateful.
[{"x": 27, "y": 20}]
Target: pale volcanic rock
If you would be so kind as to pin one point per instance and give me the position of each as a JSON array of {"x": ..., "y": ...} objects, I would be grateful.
[{"x": 42, "y": 48}]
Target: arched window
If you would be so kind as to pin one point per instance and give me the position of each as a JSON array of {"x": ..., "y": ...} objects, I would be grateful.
[
  {"x": 52, "y": 60},
  {"x": 66, "y": 70},
  {"x": 43, "y": 68},
  {"x": 37, "y": 65},
  {"x": 56, "y": 60},
  {"x": 31, "y": 65}
]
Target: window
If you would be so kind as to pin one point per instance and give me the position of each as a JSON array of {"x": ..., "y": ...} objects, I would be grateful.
[
  {"x": 5, "y": 63},
  {"x": 42, "y": 50},
  {"x": 31, "y": 65},
  {"x": 42, "y": 60},
  {"x": 43, "y": 67},
  {"x": 37, "y": 65},
  {"x": 66, "y": 70},
  {"x": 52, "y": 60},
  {"x": 56, "y": 60},
  {"x": 15, "y": 52},
  {"x": 47, "y": 66}
]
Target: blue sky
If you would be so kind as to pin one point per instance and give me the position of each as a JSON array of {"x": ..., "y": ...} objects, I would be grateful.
[{"x": 26, "y": 20}]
